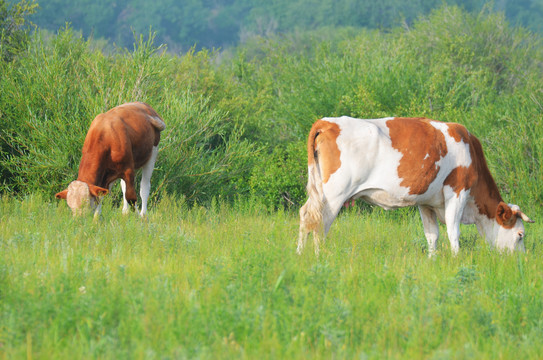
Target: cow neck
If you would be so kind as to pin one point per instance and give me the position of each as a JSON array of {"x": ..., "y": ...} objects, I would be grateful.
[
  {"x": 91, "y": 170},
  {"x": 485, "y": 192}
]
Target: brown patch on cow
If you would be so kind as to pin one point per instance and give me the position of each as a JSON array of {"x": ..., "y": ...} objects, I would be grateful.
[
  {"x": 476, "y": 177},
  {"x": 458, "y": 132},
  {"x": 322, "y": 144},
  {"x": 421, "y": 146},
  {"x": 416, "y": 137},
  {"x": 461, "y": 178},
  {"x": 485, "y": 191}
]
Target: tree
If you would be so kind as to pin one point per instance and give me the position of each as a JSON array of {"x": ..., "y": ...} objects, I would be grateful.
[{"x": 14, "y": 27}]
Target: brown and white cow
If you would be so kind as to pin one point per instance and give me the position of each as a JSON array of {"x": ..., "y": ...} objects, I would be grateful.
[
  {"x": 398, "y": 162},
  {"x": 118, "y": 143}
]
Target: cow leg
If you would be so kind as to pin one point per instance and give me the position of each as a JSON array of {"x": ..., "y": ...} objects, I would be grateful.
[
  {"x": 317, "y": 214},
  {"x": 331, "y": 209},
  {"x": 309, "y": 222},
  {"x": 129, "y": 192},
  {"x": 329, "y": 213},
  {"x": 98, "y": 209},
  {"x": 126, "y": 206},
  {"x": 305, "y": 228},
  {"x": 313, "y": 216},
  {"x": 431, "y": 228},
  {"x": 145, "y": 187},
  {"x": 454, "y": 207}
]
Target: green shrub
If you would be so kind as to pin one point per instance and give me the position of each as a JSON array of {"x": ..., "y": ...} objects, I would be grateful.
[
  {"x": 50, "y": 96},
  {"x": 226, "y": 111},
  {"x": 279, "y": 179},
  {"x": 473, "y": 69},
  {"x": 14, "y": 27}
]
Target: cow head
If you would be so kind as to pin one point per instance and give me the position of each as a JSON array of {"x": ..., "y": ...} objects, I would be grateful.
[
  {"x": 510, "y": 234},
  {"x": 81, "y": 196}
]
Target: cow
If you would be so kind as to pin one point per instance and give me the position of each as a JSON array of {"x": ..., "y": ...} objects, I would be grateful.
[
  {"x": 118, "y": 143},
  {"x": 397, "y": 162}
]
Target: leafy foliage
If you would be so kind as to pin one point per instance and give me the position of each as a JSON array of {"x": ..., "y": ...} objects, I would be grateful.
[
  {"x": 277, "y": 179},
  {"x": 14, "y": 27},
  {"x": 237, "y": 120},
  {"x": 53, "y": 94},
  {"x": 452, "y": 66}
]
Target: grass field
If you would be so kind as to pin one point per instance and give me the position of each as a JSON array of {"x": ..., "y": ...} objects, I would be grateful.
[{"x": 225, "y": 282}]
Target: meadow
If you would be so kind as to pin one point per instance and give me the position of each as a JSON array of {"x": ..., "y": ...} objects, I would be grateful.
[
  {"x": 212, "y": 271},
  {"x": 224, "y": 281}
]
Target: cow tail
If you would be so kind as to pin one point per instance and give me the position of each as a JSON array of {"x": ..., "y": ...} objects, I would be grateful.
[
  {"x": 157, "y": 122},
  {"x": 314, "y": 205}
]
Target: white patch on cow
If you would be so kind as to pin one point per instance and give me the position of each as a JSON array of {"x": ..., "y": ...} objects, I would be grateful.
[
  {"x": 500, "y": 237},
  {"x": 146, "y": 172},
  {"x": 363, "y": 172},
  {"x": 457, "y": 152},
  {"x": 126, "y": 205},
  {"x": 79, "y": 198}
]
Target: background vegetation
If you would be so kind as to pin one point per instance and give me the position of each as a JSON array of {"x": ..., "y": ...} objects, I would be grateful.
[
  {"x": 212, "y": 272},
  {"x": 238, "y": 119}
]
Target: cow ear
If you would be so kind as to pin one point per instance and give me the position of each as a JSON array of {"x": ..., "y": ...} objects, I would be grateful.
[
  {"x": 503, "y": 212},
  {"x": 62, "y": 194},
  {"x": 97, "y": 190}
]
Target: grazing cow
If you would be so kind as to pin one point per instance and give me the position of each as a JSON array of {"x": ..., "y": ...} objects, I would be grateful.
[
  {"x": 398, "y": 162},
  {"x": 118, "y": 143}
]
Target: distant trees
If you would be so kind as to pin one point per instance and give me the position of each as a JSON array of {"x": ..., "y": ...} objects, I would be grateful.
[
  {"x": 181, "y": 25},
  {"x": 221, "y": 23},
  {"x": 528, "y": 13}
]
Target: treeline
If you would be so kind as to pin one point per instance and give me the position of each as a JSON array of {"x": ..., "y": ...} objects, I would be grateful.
[
  {"x": 224, "y": 23},
  {"x": 237, "y": 122}
]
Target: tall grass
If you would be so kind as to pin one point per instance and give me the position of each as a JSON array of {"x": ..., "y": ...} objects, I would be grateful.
[{"x": 224, "y": 281}]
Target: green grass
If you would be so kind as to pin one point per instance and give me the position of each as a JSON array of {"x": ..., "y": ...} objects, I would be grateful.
[{"x": 225, "y": 282}]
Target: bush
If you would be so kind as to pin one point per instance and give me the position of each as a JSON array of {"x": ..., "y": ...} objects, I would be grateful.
[
  {"x": 14, "y": 27},
  {"x": 227, "y": 112},
  {"x": 279, "y": 179},
  {"x": 474, "y": 69},
  {"x": 49, "y": 97}
]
